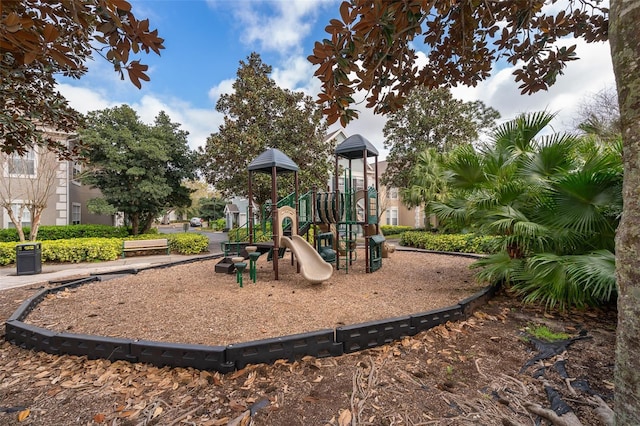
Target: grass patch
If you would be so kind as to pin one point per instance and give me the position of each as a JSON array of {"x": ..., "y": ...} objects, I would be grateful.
[{"x": 542, "y": 332}]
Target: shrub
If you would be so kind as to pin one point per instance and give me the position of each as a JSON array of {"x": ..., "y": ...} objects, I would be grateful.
[
  {"x": 461, "y": 243},
  {"x": 67, "y": 232},
  {"x": 188, "y": 243},
  {"x": 76, "y": 250},
  {"x": 394, "y": 229},
  {"x": 7, "y": 253},
  {"x": 9, "y": 235},
  {"x": 81, "y": 250}
]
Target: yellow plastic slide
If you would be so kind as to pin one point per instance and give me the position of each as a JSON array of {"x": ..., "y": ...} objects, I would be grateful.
[{"x": 312, "y": 266}]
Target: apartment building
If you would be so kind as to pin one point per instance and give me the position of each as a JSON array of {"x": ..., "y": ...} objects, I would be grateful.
[
  {"x": 39, "y": 176},
  {"x": 395, "y": 212}
]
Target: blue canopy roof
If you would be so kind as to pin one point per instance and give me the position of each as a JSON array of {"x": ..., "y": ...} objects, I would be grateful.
[
  {"x": 353, "y": 147},
  {"x": 265, "y": 162}
]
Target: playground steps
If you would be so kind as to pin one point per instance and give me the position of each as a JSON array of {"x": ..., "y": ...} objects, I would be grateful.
[
  {"x": 234, "y": 248},
  {"x": 281, "y": 251},
  {"x": 225, "y": 266}
]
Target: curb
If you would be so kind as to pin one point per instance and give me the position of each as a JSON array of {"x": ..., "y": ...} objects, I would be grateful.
[{"x": 321, "y": 343}]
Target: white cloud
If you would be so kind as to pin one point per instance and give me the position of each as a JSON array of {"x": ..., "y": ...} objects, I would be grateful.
[
  {"x": 589, "y": 74},
  {"x": 85, "y": 100},
  {"x": 199, "y": 122},
  {"x": 282, "y": 28},
  {"x": 224, "y": 87},
  {"x": 296, "y": 73}
]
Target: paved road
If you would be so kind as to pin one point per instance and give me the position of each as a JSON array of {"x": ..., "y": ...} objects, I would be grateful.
[{"x": 215, "y": 238}]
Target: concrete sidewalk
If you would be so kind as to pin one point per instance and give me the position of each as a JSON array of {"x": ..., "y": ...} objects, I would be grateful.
[{"x": 60, "y": 271}]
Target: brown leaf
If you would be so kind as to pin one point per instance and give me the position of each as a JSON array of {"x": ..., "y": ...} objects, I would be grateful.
[
  {"x": 250, "y": 379},
  {"x": 345, "y": 418},
  {"x": 236, "y": 405},
  {"x": 22, "y": 415},
  {"x": 122, "y": 5},
  {"x": 29, "y": 57},
  {"x": 99, "y": 418},
  {"x": 156, "y": 412},
  {"x": 238, "y": 373},
  {"x": 50, "y": 33}
]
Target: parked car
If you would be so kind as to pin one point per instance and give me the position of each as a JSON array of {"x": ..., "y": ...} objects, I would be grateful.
[{"x": 195, "y": 221}]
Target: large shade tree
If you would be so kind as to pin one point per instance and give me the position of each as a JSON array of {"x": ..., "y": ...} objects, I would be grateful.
[
  {"x": 261, "y": 115},
  {"x": 430, "y": 119},
  {"x": 372, "y": 47},
  {"x": 139, "y": 169},
  {"x": 39, "y": 40}
]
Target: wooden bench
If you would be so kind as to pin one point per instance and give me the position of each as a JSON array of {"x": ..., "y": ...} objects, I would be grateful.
[{"x": 139, "y": 245}]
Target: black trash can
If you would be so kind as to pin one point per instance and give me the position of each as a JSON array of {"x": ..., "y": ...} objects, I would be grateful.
[{"x": 29, "y": 258}]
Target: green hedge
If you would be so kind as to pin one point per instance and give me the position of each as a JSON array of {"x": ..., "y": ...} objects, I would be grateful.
[
  {"x": 394, "y": 229},
  {"x": 72, "y": 250},
  {"x": 102, "y": 249},
  {"x": 461, "y": 243},
  {"x": 67, "y": 232},
  {"x": 81, "y": 250},
  {"x": 188, "y": 243},
  {"x": 182, "y": 243},
  {"x": 7, "y": 253}
]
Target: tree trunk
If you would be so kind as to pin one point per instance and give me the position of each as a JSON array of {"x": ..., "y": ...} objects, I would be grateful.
[
  {"x": 36, "y": 215},
  {"x": 17, "y": 222},
  {"x": 624, "y": 36},
  {"x": 135, "y": 223},
  {"x": 146, "y": 221}
]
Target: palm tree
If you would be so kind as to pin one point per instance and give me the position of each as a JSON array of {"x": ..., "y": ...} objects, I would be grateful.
[
  {"x": 554, "y": 202},
  {"x": 428, "y": 182}
]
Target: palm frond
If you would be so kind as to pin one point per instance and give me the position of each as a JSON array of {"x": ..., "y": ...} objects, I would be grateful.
[
  {"x": 580, "y": 199},
  {"x": 516, "y": 136},
  {"x": 454, "y": 212},
  {"x": 464, "y": 168},
  {"x": 565, "y": 281},
  {"x": 553, "y": 157},
  {"x": 596, "y": 272},
  {"x": 498, "y": 268}
]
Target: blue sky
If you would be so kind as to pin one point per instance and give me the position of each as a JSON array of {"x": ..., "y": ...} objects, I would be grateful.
[{"x": 206, "y": 39}]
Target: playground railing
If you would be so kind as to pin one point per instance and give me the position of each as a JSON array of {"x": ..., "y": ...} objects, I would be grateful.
[
  {"x": 305, "y": 210},
  {"x": 372, "y": 204},
  {"x": 289, "y": 200}
]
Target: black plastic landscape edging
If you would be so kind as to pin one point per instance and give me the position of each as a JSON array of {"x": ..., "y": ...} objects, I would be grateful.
[{"x": 321, "y": 343}]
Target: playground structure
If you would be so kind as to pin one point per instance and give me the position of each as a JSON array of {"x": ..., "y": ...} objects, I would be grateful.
[{"x": 338, "y": 216}]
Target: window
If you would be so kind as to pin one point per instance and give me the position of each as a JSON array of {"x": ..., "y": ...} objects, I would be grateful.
[
  {"x": 392, "y": 216},
  {"x": 76, "y": 213},
  {"x": 76, "y": 171},
  {"x": 393, "y": 193},
  {"x": 26, "y": 216},
  {"x": 358, "y": 184},
  {"x": 23, "y": 165}
]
